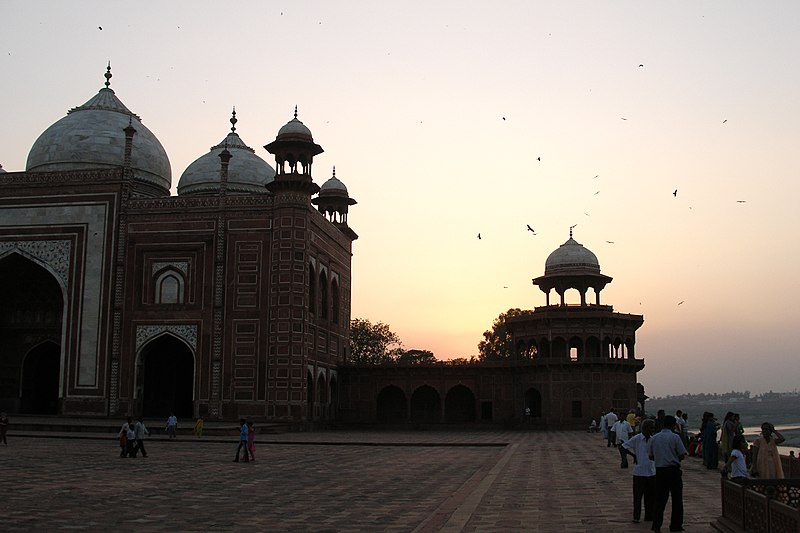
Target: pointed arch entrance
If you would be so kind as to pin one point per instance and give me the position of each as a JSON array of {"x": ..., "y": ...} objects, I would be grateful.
[
  {"x": 392, "y": 406},
  {"x": 459, "y": 405},
  {"x": 165, "y": 378},
  {"x": 31, "y": 331}
]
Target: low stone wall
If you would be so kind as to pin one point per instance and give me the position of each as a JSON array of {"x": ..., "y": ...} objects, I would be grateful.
[{"x": 760, "y": 505}]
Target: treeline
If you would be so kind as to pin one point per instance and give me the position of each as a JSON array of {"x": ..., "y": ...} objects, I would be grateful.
[{"x": 727, "y": 396}]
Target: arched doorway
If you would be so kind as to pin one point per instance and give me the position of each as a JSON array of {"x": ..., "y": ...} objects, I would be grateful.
[
  {"x": 166, "y": 367},
  {"x": 459, "y": 405},
  {"x": 533, "y": 401},
  {"x": 426, "y": 405},
  {"x": 391, "y": 407},
  {"x": 40, "y": 380},
  {"x": 31, "y": 316}
]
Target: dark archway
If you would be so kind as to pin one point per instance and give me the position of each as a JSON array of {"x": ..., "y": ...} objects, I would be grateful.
[
  {"x": 533, "y": 401},
  {"x": 40, "y": 374},
  {"x": 426, "y": 405},
  {"x": 167, "y": 385},
  {"x": 459, "y": 405},
  {"x": 392, "y": 408},
  {"x": 31, "y": 315}
]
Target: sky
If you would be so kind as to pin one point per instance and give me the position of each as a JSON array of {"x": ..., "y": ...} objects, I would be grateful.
[{"x": 452, "y": 118}]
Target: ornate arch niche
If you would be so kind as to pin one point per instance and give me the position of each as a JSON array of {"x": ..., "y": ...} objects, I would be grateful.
[
  {"x": 169, "y": 282},
  {"x": 186, "y": 332},
  {"x": 54, "y": 255}
]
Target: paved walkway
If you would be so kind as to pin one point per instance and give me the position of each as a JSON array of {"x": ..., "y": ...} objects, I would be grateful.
[{"x": 333, "y": 481}]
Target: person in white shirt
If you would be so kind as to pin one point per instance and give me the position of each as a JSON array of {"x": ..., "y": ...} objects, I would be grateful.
[
  {"x": 622, "y": 432},
  {"x": 644, "y": 471},
  {"x": 736, "y": 464},
  {"x": 611, "y": 419}
]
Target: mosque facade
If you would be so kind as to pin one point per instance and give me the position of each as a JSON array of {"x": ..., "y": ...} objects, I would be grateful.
[{"x": 230, "y": 299}]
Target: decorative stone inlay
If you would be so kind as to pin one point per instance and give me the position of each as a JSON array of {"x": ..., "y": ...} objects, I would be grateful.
[
  {"x": 186, "y": 332},
  {"x": 53, "y": 253},
  {"x": 182, "y": 266}
]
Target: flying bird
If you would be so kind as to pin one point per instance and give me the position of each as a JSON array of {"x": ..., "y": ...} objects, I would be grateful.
[
  {"x": 504, "y": 118},
  {"x": 640, "y": 65},
  {"x": 679, "y": 303},
  {"x": 724, "y": 121},
  {"x": 538, "y": 158},
  {"x": 741, "y": 201},
  {"x": 610, "y": 242},
  {"x": 530, "y": 229},
  {"x": 675, "y": 193},
  {"x": 100, "y": 28},
  {"x": 623, "y": 118},
  {"x": 598, "y": 192},
  {"x": 479, "y": 236},
  {"x": 597, "y": 176}
]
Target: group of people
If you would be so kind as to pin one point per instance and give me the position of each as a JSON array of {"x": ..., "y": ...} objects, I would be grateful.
[
  {"x": 131, "y": 438},
  {"x": 659, "y": 444}
]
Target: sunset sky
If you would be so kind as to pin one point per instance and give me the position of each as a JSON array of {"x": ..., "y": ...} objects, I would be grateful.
[{"x": 448, "y": 119}]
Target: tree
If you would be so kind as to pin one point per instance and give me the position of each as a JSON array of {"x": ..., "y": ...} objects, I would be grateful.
[
  {"x": 497, "y": 343},
  {"x": 416, "y": 357},
  {"x": 372, "y": 344}
]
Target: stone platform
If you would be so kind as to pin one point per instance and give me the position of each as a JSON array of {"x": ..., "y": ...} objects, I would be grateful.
[{"x": 426, "y": 481}]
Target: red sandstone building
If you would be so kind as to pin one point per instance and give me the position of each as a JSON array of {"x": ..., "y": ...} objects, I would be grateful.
[
  {"x": 231, "y": 298},
  {"x": 572, "y": 363}
]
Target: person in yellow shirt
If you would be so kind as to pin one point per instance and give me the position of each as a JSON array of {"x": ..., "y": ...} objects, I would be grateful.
[{"x": 198, "y": 427}]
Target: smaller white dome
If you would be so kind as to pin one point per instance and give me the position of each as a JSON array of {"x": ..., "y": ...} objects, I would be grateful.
[
  {"x": 571, "y": 257},
  {"x": 333, "y": 186},
  {"x": 2, "y": 170},
  {"x": 247, "y": 173}
]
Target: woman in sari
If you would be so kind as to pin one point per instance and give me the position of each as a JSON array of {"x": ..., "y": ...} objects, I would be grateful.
[{"x": 766, "y": 459}]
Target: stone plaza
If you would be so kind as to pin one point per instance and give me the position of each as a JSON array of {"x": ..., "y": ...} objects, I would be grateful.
[{"x": 330, "y": 481}]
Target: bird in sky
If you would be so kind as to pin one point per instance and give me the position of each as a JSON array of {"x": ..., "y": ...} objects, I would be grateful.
[
  {"x": 594, "y": 178},
  {"x": 538, "y": 158},
  {"x": 641, "y": 65},
  {"x": 100, "y": 28},
  {"x": 530, "y": 229},
  {"x": 610, "y": 242},
  {"x": 479, "y": 236},
  {"x": 504, "y": 118},
  {"x": 724, "y": 121},
  {"x": 679, "y": 303},
  {"x": 675, "y": 193},
  {"x": 741, "y": 201},
  {"x": 598, "y": 192},
  {"x": 623, "y": 118}
]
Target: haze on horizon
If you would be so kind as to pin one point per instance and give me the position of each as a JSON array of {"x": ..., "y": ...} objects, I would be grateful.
[{"x": 450, "y": 119}]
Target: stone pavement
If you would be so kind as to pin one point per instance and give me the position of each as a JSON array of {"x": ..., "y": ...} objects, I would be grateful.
[{"x": 333, "y": 481}]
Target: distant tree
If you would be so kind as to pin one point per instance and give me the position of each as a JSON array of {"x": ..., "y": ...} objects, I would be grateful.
[
  {"x": 416, "y": 357},
  {"x": 373, "y": 344},
  {"x": 461, "y": 360},
  {"x": 497, "y": 343}
]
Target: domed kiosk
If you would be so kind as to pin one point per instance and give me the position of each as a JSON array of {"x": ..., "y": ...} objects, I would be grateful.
[{"x": 584, "y": 353}]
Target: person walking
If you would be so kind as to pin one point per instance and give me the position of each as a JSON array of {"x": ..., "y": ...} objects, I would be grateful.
[
  {"x": 3, "y": 428},
  {"x": 766, "y": 459},
  {"x": 251, "y": 440},
  {"x": 198, "y": 427},
  {"x": 644, "y": 471},
  {"x": 243, "y": 431},
  {"x": 667, "y": 451},
  {"x": 709, "y": 429},
  {"x": 622, "y": 431},
  {"x": 140, "y": 431},
  {"x": 130, "y": 444},
  {"x": 611, "y": 419},
  {"x": 172, "y": 425},
  {"x": 123, "y": 437}
]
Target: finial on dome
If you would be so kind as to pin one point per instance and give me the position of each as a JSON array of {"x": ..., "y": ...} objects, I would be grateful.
[
  {"x": 295, "y": 112},
  {"x": 108, "y": 75},
  {"x": 570, "y": 230},
  {"x": 233, "y": 120},
  {"x": 334, "y": 171}
]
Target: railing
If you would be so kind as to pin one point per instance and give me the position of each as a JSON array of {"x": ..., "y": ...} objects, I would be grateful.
[{"x": 761, "y": 505}]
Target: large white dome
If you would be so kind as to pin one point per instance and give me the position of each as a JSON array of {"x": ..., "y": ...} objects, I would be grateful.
[
  {"x": 571, "y": 257},
  {"x": 91, "y": 136}
]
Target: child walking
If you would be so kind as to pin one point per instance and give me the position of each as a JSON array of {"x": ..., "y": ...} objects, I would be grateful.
[{"x": 251, "y": 440}]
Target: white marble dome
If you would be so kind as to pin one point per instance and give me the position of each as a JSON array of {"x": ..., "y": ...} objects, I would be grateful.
[
  {"x": 333, "y": 187},
  {"x": 294, "y": 130},
  {"x": 91, "y": 136},
  {"x": 247, "y": 173},
  {"x": 571, "y": 257}
]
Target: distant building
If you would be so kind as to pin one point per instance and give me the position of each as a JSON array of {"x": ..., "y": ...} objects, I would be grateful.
[
  {"x": 572, "y": 363},
  {"x": 231, "y": 298}
]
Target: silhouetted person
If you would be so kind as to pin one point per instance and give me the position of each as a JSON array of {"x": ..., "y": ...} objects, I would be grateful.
[
  {"x": 243, "y": 432},
  {"x": 667, "y": 451}
]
